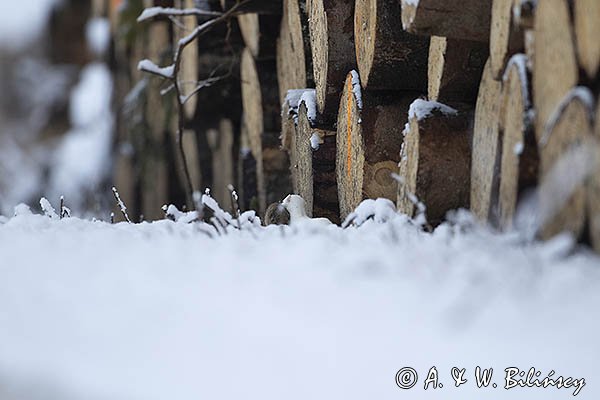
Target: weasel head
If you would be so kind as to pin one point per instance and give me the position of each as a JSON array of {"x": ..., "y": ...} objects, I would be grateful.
[{"x": 295, "y": 205}]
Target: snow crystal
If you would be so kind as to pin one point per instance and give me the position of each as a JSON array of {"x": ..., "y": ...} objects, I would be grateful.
[
  {"x": 149, "y": 66},
  {"x": 315, "y": 141},
  {"x": 421, "y": 109},
  {"x": 356, "y": 89}
]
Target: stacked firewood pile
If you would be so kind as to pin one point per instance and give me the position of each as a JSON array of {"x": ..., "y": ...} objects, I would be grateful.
[{"x": 434, "y": 104}]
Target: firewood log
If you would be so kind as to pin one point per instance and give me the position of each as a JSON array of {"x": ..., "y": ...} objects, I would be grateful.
[
  {"x": 388, "y": 57},
  {"x": 593, "y": 189},
  {"x": 456, "y": 19},
  {"x": 260, "y": 32},
  {"x": 221, "y": 143},
  {"x": 487, "y": 144},
  {"x": 455, "y": 69},
  {"x": 555, "y": 70},
  {"x": 188, "y": 71},
  {"x": 520, "y": 160},
  {"x": 587, "y": 31},
  {"x": 566, "y": 163},
  {"x": 435, "y": 161},
  {"x": 369, "y": 136},
  {"x": 332, "y": 48},
  {"x": 506, "y": 37}
]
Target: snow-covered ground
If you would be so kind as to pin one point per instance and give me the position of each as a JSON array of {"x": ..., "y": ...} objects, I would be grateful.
[{"x": 90, "y": 310}]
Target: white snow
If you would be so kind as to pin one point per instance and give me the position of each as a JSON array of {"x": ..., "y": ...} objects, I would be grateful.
[
  {"x": 518, "y": 149},
  {"x": 309, "y": 98},
  {"x": 152, "y": 12},
  {"x": 315, "y": 141},
  {"x": 356, "y": 89},
  {"x": 149, "y": 66},
  {"x": 520, "y": 60},
  {"x": 21, "y": 23},
  {"x": 421, "y": 109},
  {"x": 98, "y": 35},
  {"x": 159, "y": 311}
]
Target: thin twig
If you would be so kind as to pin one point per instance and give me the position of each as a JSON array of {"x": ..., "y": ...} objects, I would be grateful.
[{"x": 121, "y": 205}]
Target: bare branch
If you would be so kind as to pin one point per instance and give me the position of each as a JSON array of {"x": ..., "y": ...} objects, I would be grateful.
[
  {"x": 148, "y": 66},
  {"x": 157, "y": 12}
]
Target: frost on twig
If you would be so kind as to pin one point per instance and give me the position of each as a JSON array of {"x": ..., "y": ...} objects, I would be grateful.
[
  {"x": 151, "y": 68},
  {"x": 121, "y": 205},
  {"x": 47, "y": 208},
  {"x": 156, "y": 12}
]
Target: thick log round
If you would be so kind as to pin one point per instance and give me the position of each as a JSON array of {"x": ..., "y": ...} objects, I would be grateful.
[
  {"x": 593, "y": 190},
  {"x": 565, "y": 157},
  {"x": 253, "y": 6},
  {"x": 260, "y": 32},
  {"x": 369, "y": 137},
  {"x": 467, "y": 20},
  {"x": 506, "y": 38},
  {"x": 314, "y": 167},
  {"x": 555, "y": 70},
  {"x": 333, "y": 54},
  {"x": 455, "y": 69},
  {"x": 587, "y": 31},
  {"x": 487, "y": 145},
  {"x": 260, "y": 100},
  {"x": 435, "y": 163},
  {"x": 388, "y": 57},
  {"x": 520, "y": 160}
]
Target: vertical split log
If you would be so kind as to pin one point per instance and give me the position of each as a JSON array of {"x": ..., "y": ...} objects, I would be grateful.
[
  {"x": 455, "y": 69},
  {"x": 593, "y": 189},
  {"x": 435, "y": 161},
  {"x": 221, "y": 143},
  {"x": 314, "y": 168},
  {"x": 188, "y": 71},
  {"x": 487, "y": 145},
  {"x": 466, "y": 19},
  {"x": 369, "y": 137},
  {"x": 333, "y": 55},
  {"x": 520, "y": 160},
  {"x": 566, "y": 162},
  {"x": 262, "y": 119},
  {"x": 388, "y": 57},
  {"x": 587, "y": 31},
  {"x": 260, "y": 32},
  {"x": 506, "y": 37},
  {"x": 555, "y": 70}
]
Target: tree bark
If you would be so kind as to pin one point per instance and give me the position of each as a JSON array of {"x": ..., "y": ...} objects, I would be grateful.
[
  {"x": 487, "y": 144},
  {"x": 388, "y": 57},
  {"x": 520, "y": 159},
  {"x": 333, "y": 54},
  {"x": 455, "y": 19},
  {"x": 369, "y": 136},
  {"x": 435, "y": 164},
  {"x": 455, "y": 69}
]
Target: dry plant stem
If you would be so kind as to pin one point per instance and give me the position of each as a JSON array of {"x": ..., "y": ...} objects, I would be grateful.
[{"x": 180, "y": 100}]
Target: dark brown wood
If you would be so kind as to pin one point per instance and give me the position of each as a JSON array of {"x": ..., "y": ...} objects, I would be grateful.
[
  {"x": 435, "y": 162},
  {"x": 254, "y": 6},
  {"x": 332, "y": 44},
  {"x": 456, "y": 19},
  {"x": 388, "y": 57},
  {"x": 455, "y": 69},
  {"x": 260, "y": 32}
]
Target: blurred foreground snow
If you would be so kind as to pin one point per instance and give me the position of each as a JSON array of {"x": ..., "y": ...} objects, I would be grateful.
[{"x": 90, "y": 310}]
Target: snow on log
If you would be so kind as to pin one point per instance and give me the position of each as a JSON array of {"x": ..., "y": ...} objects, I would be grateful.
[
  {"x": 593, "y": 189},
  {"x": 388, "y": 57},
  {"x": 487, "y": 144},
  {"x": 313, "y": 168},
  {"x": 506, "y": 37},
  {"x": 566, "y": 163},
  {"x": 260, "y": 99},
  {"x": 587, "y": 31},
  {"x": 454, "y": 69},
  {"x": 555, "y": 70},
  {"x": 456, "y": 19},
  {"x": 333, "y": 54},
  {"x": 435, "y": 161},
  {"x": 260, "y": 32},
  {"x": 221, "y": 144},
  {"x": 520, "y": 160},
  {"x": 369, "y": 136},
  {"x": 253, "y": 6}
]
